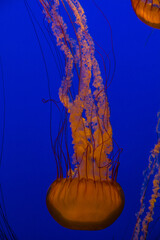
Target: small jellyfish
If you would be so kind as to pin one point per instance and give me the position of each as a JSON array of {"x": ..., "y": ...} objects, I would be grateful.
[{"x": 148, "y": 11}]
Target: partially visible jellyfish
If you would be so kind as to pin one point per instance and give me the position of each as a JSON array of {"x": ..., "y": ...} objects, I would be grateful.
[
  {"x": 86, "y": 196},
  {"x": 148, "y": 11},
  {"x": 153, "y": 171}
]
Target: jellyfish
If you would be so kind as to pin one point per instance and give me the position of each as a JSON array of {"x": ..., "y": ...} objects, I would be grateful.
[
  {"x": 87, "y": 196},
  {"x": 152, "y": 172},
  {"x": 148, "y": 11}
]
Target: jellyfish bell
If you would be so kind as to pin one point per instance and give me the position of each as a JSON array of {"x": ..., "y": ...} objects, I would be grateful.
[
  {"x": 85, "y": 204},
  {"x": 148, "y": 11},
  {"x": 86, "y": 196}
]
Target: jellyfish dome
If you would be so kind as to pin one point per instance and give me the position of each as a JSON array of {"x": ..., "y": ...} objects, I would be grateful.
[
  {"x": 148, "y": 11},
  {"x": 85, "y": 204}
]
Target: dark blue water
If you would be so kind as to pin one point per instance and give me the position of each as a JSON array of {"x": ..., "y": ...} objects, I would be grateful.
[{"x": 28, "y": 166}]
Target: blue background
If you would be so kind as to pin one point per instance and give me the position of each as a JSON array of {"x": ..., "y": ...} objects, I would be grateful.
[{"x": 28, "y": 166}]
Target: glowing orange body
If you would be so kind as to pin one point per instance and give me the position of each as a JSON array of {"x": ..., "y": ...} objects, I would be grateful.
[
  {"x": 88, "y": 197},
  {"x": 85, "y": 204},
  {"x": 148, "y": 11}
]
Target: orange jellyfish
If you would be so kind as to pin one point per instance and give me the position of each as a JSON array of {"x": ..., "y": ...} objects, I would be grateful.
[
  {"x": 148, "y": 11},
  {"x": 88, "y": 196},
  {"x": 153, "y": 171}
]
